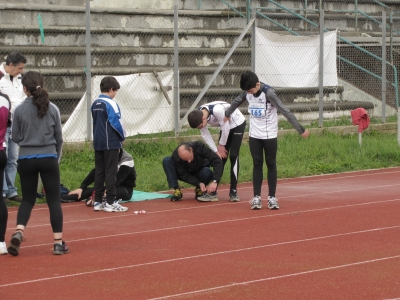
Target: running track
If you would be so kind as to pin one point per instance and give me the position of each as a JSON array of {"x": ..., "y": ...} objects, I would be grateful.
[{"x": 334, "y": 237}]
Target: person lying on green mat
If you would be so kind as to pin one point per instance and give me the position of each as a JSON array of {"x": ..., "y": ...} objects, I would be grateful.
[{"x": 126, "y": 181}]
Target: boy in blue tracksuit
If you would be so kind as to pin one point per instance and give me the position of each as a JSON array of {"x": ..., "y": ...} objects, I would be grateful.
[{"x": 108, "y": 135}]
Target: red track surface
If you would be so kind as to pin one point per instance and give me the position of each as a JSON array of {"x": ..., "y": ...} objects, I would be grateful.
[{"x": 334, "y": 237}]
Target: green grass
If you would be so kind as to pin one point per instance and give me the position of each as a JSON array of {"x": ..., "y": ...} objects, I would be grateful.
[{"x": 319, "y": 154}]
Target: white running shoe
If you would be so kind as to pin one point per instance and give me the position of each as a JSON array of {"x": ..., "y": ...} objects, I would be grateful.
[
  {"x": 273, "y": 203},
  {"x": 3, "y": 248},
  {"x": 115, "y": 207},
  {"x": 256, "y": 202},
  {"x": 98, "y": 206}
]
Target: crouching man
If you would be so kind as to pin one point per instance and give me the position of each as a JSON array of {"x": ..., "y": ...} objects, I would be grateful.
[{"x": 190, "y": 163}]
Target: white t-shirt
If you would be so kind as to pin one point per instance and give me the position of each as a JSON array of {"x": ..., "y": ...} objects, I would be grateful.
[
  {"x": 216, "y": 116},
  {"x": 263, "y": 117}
]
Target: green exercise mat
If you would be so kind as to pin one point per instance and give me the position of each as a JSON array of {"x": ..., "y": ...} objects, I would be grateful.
[{"x": 141, "y": 196}]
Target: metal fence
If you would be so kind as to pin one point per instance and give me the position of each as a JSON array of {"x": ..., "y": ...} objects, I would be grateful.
[{"x": 196, "y": 47}]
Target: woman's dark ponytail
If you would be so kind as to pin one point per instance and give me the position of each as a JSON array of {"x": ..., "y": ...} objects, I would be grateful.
[{"x": 33, "y": 82}]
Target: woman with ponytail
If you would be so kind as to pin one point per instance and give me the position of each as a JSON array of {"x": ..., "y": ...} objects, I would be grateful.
[
  {"x": 5, "y": 106},
  {"x": 36, "y": 129}
]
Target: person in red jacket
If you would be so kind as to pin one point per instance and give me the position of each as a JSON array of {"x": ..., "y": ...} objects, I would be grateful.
[{"x": 5, "y": 106}]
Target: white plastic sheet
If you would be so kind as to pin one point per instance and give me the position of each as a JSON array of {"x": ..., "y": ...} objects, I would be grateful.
[
  {"x": 293, "y": 61},
  {"x": 144, "y": 109}
]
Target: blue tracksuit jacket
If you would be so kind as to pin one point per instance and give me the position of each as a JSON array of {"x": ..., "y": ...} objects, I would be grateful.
[{"x": 108, "y": 132}]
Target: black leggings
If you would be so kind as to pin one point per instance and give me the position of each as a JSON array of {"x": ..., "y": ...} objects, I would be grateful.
[
  {"x": 233, "y": 147},
  {"x": 3, "y": 207},
  {"x": 124, "y": 193},
  {"x": 29, "y": 170},
  {"x": 269, "y": 147}
]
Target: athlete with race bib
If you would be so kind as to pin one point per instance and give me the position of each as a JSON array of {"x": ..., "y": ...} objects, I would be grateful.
[
  {"x": 230, "y": 137},
  {"x": 264, "y": 105}
]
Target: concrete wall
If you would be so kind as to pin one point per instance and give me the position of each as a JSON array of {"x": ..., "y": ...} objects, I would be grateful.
[
  {"x": 363, "y": 5},
  {"x": 47, "y": 2},
  {"x": 169, "y": 4},
  {"x": 136, "y": 4}
]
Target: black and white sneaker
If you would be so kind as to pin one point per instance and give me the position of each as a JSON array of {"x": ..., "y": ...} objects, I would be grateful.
[
  {"x": 273, "y": 203},
  {"x": 234, "y": 196},
  {"x": 256, "y": 202}
]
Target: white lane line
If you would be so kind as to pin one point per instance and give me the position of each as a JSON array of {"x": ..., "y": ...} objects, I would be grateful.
[
  {"x": 128, "y": 214},
  {"x": 210, "y": 255},
  {"x": 292, "y": 181},
  {"x": 277, "y": 277}
]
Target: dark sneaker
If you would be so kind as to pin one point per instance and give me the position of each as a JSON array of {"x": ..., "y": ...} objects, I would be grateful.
[
  {"x": 198, "y": 193},
  {"x": 15, "y": 243},
  {"x": 15, "y": 198},
  {"x": 234, "y": 196},
  {"x": 177, "y": 196},
  {"x": 208, "y": 198},
  {"x": 60, "y": 249},
  {"x": 5, "y": 199}
]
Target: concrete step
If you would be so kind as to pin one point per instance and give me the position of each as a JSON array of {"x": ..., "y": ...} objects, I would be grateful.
[
  {"x": 72, "y": 60},
  {"x": 67, "y": 101}
]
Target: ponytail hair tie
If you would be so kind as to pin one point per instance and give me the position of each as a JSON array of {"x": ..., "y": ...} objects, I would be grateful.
[{"x": 38, "y": 87}]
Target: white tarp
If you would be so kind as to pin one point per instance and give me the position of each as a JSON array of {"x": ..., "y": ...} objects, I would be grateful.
[
  {"x": 144, "y": 109},
  {"x": 293, "y": 61}
]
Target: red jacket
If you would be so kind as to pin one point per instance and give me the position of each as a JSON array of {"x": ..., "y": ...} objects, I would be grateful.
[{"x": 359, "y": 116}]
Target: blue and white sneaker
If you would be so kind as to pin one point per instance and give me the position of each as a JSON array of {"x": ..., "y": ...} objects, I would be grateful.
[
  {"x": 98, "y": 206},
  {"x": 273, "y": 203},
  {"x": 115, "y": 207},
  {"x": 256, "y": 202}
]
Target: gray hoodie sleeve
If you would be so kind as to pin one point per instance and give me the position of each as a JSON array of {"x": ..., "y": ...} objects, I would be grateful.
[
  {"x": 276, "y": 102},
  {"x": 15, "y": 130},
  {"x": 58, "y": 132},
  {"x": 236, "y": 103}
]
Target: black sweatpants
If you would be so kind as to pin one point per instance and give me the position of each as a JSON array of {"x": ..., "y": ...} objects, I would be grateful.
[
  {"x": 233, "y": 144},
  {"x": 106, "y": 165},
  {"x": 123, "y": 192},
  {"x": 268, "y": 147},
  {"x": 29, "y": 171},
  {"x": 3, "y": 207}
]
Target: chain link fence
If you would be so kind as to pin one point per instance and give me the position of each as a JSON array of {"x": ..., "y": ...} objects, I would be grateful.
[
  {"x": 359, "y": 53},
  {"x": 53, "y": 47},
  {"x": 138, "y": 47}
]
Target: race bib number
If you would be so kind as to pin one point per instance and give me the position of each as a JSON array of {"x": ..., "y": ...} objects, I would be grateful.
[{"x": 257, "y": 111}]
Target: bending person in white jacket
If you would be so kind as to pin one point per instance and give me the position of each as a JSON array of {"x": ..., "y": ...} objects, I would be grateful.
[{"x": 230, "y": 138}]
